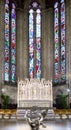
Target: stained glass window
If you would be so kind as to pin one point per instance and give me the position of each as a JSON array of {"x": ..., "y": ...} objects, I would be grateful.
[
  {"x": 38, "y": 43},
  {"x": 59, "y": 43},
  {"x": 7, "y": 42},
  {"x": 63, "y": 58},
  {"x": 34, "y": 40},
  {"x": 56, "y": 41},
  {"x": 13, "y": 43},
  {"x": 31, "y": 44},
  {"x": 10, "y": 42}
]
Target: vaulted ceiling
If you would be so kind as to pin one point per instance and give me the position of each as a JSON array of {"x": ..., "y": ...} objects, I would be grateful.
[{"x": 49, "y": 3}]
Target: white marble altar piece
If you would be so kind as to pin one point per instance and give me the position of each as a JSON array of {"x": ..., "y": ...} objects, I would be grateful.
[{"x": 35, "y": 92}]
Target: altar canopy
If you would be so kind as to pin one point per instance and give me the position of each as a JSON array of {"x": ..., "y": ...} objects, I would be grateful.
[{"x": 34, "y": 92}]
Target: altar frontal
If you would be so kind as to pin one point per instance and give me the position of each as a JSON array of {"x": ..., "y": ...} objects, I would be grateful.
[{"x": 34, "y": 92}]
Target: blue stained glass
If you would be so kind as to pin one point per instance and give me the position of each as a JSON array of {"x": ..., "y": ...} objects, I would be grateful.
[
  {"x": 63, "y": 55},
  {"x": 7, "y": 44},
  {"x": 7, "y": 33},
  {"x": 61, "y": 46},
  {"x": 31, "y": 45},
  {"x": 13, "y": 43},
  {"x": 13, "y": 53},
  {"x": 62, "y": 1},
  {"x": 34, "y": 40},
  {"x": 38, "y": 43},
  {"x": 56, "y": 43},
  {"x": 13, "y": 70},
  {"x": 6, "y": 71},
  {"x": 56, "y": 5}
]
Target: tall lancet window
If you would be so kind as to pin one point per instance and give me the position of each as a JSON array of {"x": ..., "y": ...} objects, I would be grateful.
[
  {"x": 13, "y": 43},
  {"x": 59, "y": 43},
  {"x": 10, "y": 42},
  {"x": 35, "y": 40}
]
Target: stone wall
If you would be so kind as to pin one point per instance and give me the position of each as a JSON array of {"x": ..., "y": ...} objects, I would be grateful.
[
  {"x": 68, "y": 45},
  {"x": 47, "y": 44}
]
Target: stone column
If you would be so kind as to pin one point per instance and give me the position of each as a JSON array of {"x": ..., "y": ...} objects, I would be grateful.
[
  {"x": 50, "y": 42},
  {"x": 25, "y": 44},
  {"x": 44, "y": 43},
  {"x": 68, "y": 44},
  {"x": 47, "y": 44},
  {"x": 19, "y": 46}
]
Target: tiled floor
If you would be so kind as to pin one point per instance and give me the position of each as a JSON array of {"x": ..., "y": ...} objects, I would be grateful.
[{"x": 22, "y": 125}]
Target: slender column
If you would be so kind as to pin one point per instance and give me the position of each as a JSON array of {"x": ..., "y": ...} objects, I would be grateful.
[
  {"x": 68, "y": 45},
  {"x": 25, "y": 44},
  {"x": 47, "y": 44},
  {"x": 20, "y": 44}
]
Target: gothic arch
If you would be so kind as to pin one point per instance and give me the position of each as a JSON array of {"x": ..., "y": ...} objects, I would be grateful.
[{"x": 26, "y": 4}]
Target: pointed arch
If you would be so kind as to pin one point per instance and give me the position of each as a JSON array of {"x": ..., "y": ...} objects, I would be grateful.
[{"x": 34, "y": 40}]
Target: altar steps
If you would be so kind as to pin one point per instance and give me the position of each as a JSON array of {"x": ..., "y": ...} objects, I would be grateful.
[
  {"x": 21, "y": 114},
  {"x": 50, "y": 114}
]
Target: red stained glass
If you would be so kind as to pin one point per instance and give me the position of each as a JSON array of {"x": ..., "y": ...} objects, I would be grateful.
[
  {"x": 34, "y": 41},
  {"x": 59, "y": 34},
  {"x": 10, "y": 60}
]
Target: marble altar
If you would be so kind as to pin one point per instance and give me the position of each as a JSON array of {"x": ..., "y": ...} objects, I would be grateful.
[{"x": 34, "y": 92}]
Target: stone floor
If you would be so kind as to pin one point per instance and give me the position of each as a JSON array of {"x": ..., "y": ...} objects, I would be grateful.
[{"x": 57, "y": 124}]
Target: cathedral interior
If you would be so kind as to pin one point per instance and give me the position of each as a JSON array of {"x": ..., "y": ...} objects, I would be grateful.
[
  {"x": 35, "y": 42},
  {"x": 35, "y": 64}
]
